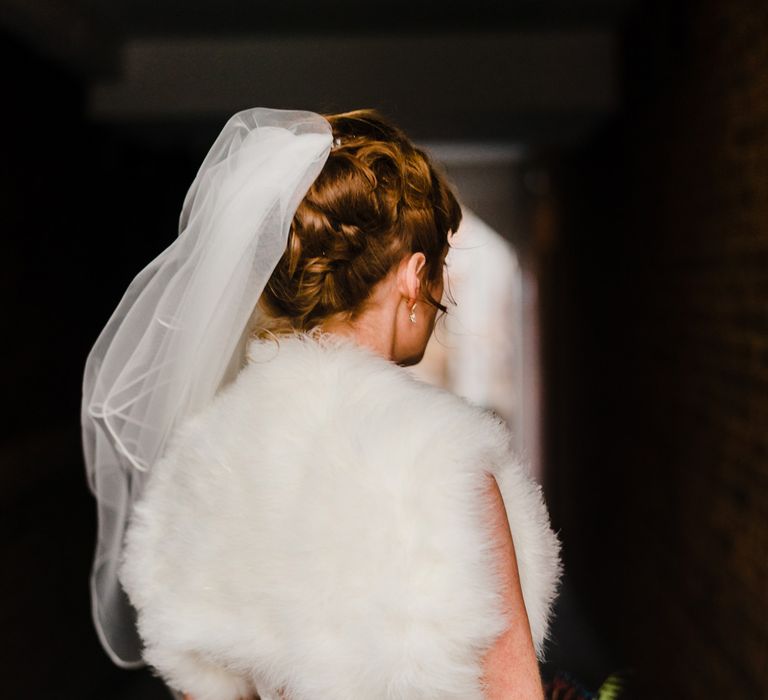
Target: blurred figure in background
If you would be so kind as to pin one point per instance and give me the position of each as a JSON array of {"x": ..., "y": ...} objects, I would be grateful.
[{"x": 476, "y": 350}]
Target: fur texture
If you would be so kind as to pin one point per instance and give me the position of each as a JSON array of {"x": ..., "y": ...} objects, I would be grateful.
[{"x": 320, "y": 526}]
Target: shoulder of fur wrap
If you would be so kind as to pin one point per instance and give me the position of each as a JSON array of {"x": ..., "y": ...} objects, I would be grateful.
[{"x": 319, "y": 527}]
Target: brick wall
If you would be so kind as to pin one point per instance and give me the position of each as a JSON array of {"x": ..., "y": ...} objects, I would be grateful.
[{"x": 658, "y": 355}]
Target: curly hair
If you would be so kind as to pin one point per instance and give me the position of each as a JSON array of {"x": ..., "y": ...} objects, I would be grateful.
[{"x": 377, "y": 199}]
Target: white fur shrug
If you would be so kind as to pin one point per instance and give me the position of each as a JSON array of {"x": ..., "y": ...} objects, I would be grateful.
[{"x": 320, "y": 526}]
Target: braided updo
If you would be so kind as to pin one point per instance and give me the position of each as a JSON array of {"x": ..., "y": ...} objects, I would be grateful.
[{"x": 377, "y": 199}]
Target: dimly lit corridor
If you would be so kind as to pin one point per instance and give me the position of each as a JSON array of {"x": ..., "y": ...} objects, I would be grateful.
[{"x": 619, "y": 148}]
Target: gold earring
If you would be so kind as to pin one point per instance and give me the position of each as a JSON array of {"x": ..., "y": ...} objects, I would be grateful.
[{"x": 412, "y": 315}]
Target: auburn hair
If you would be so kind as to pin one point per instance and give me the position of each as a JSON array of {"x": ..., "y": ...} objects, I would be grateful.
[{"x": 377, "y": 199}]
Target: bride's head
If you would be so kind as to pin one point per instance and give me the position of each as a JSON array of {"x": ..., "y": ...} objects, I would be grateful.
[{"x": 367, "y": 245}]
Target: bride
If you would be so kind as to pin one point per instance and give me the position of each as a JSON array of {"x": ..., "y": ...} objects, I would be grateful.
[{"x": 291, "y": 513}]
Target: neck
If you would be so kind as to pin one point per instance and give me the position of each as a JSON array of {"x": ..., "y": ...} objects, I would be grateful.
[{"x": 365, "y": 333}]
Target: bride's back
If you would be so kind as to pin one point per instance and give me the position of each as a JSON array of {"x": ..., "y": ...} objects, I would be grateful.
[
  {"x": 320, "y": 527},
  {"x": 322, "y": 524}
]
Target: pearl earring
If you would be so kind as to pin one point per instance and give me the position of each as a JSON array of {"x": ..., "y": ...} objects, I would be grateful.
[{"x": 412, "y": 315}]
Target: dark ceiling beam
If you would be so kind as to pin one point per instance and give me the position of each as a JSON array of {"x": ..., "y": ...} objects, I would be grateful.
[{"x": 438, "y": 86}]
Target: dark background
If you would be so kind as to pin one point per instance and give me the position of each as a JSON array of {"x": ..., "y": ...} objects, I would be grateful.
[{"x": 650, "y": 241}]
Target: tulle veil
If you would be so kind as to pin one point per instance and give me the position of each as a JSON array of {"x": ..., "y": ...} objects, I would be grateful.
[{"x": 178, "y": 334}]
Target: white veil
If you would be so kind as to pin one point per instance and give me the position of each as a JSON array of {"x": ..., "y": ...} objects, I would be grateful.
[{"x": 178, "y": 333}]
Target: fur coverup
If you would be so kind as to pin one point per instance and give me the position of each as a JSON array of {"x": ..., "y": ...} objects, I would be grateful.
[{"x": 321, "y": 527}]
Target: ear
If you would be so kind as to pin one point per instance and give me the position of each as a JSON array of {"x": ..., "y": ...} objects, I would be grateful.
[{"x": 408, "y": 278}]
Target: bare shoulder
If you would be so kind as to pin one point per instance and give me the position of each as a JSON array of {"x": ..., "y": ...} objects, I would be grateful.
[
  {"x": 497, "y": 509},
  {"x": 510, "y": 666},
  {"x": 502, "y": 537}
]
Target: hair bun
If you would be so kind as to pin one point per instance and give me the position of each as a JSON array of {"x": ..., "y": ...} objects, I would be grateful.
[{"x": 377, "y": 199}]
